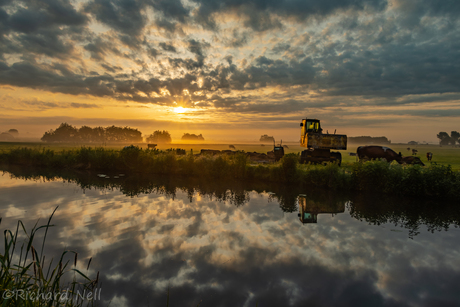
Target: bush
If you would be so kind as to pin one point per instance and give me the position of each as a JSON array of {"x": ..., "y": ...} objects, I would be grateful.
[{"x": 289, "y": 171}]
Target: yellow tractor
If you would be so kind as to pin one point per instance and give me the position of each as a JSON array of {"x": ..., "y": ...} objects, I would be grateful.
[
  {"x": 309, "y": 209},
  {"x": 319, "y": 144}
]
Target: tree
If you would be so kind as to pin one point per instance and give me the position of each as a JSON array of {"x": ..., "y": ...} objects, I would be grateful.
[
  {"x": 64, "y": 133},
  {"x": 4, "y": 136},
  {"x": 266, "y": 138},
  {"x": 68, "y": 133},
  {"x": 14, "y": 132},
  {"x": 444, "y": 138},
  {"x": 159, "y": 137},
  {"x": 192, "y": 137},
  {"x": 454, "y": 135},
  {"x": 85, "y": 134},
  {"x": 119, "y": 134}
]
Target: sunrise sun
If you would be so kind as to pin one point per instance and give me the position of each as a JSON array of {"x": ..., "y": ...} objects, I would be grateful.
[{"x": 180, "y": 110}]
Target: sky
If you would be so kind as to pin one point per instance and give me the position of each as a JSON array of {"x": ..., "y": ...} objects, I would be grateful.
[{"x": 232, "y": 69}]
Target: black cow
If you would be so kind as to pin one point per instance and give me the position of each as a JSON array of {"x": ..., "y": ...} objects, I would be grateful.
[
  {"x": 412, "y": 160},
  {"x": 378, "y": 152}
]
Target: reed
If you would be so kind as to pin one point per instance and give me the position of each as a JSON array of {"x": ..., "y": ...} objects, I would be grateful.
[
  {"x": 27, "y": 278},
  {"x": 438, "y": 181}
]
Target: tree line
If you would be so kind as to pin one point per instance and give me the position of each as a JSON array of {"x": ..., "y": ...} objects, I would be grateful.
[
  {"x": 445, "y": 139},
  {"x": 66, "y": 133},
  {"x": 69, "y": 133}
]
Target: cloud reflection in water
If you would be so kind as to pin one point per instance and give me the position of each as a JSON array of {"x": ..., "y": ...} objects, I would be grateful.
[{"x": 212, "y": 251}]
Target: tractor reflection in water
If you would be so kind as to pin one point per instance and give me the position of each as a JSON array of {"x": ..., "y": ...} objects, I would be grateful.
[{"x": 309, "y": 209}]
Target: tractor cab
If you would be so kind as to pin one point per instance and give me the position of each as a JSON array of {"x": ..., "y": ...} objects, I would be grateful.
[{"x": 311, "y": 126}]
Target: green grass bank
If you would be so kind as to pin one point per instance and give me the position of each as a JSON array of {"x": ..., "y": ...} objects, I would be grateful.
[{"x": 434, "y": 181}]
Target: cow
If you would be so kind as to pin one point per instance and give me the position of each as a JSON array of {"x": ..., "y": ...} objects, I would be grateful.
[
  {"x": 151, "y": 146},
  {"x": 231, "y": 146},
  {"x": 378, "y": 152},
  {"x": 408, "y": 148},
  {"x": 412, "y": 160},
  {"x": 429, "y": 156},
  {"x": 414, "y": 152}
]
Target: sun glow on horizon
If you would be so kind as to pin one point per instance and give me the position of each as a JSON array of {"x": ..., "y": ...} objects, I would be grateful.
[{"x": 180, "y": 110}]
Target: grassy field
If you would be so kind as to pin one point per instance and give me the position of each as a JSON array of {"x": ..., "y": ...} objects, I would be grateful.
[
  {"x": 445, "y": 155},
  {"x": 435, "y": 181}
]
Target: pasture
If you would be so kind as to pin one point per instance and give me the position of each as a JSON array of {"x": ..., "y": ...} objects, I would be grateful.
[{"x": 442, "y": 155}]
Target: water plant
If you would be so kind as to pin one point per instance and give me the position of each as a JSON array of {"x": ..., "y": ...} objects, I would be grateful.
[{"x": 27, "y": 278}]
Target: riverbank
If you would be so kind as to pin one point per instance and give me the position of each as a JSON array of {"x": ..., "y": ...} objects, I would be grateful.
[
  {"x": 435, "y": 181},
  {"x": 442, "y": 155}
]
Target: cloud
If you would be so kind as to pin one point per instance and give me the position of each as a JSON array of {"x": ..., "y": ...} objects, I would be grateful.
[
  {"x": 230, "y": 54},
  {"x": 45, "y": 14},
  {"x": 124, "y": 16},
  {"x": 167, "y": 47}
]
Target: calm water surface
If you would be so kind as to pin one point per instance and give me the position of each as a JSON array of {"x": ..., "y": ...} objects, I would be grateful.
[{"x": 236, "y": 247}]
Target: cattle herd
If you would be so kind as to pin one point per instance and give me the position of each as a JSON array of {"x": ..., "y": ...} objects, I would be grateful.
[{"x": 365, "y": 153}]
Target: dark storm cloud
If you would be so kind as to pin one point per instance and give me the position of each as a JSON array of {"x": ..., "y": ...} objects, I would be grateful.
[
  {"x": 197, "y": 47},
  {"x": 238, "y": 39},
  {"x": 394, "y": 71},
  {"x": 122, "y": 15},
  {"x": 280, "y": 47},
  {"x": 3, "y": 23},
  {"x": 265, "y": 71},
  {"x": 5, "y": 2},
  {"x": 24, "y": 74},
  {"x": 171, "y": 9},
  {"x": 39, "y": 26},
  {"x": 46, "y": 42},
  {"x": 129, "y": 16},
  {"x": 100, "y": 47},
  {"x": 45, "y": 14},
  {"x": 110, "y": 68},
  {"x": 260, "y": 13},
  {"x": 167, "y": 47}
]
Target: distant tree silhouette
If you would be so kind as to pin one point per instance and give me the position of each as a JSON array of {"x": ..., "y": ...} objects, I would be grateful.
[
  {"x": 126, "y": 134},
  {"x": 266, "y": 138},
  {"x": 159, "y": 137},
  {"x": 5, "y": 136},
  {"x": 68, "y": 133},
  {"x": 444, "y": 138},
  {"x": 454, "y": 135},
  {"x": 192, "y": 137},
  {"x": 64, "y": 133},
  {"x": 14, "y": 132}
]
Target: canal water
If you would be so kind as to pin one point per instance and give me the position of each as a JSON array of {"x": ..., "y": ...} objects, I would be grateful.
[{"x": 222, "y": 244}]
